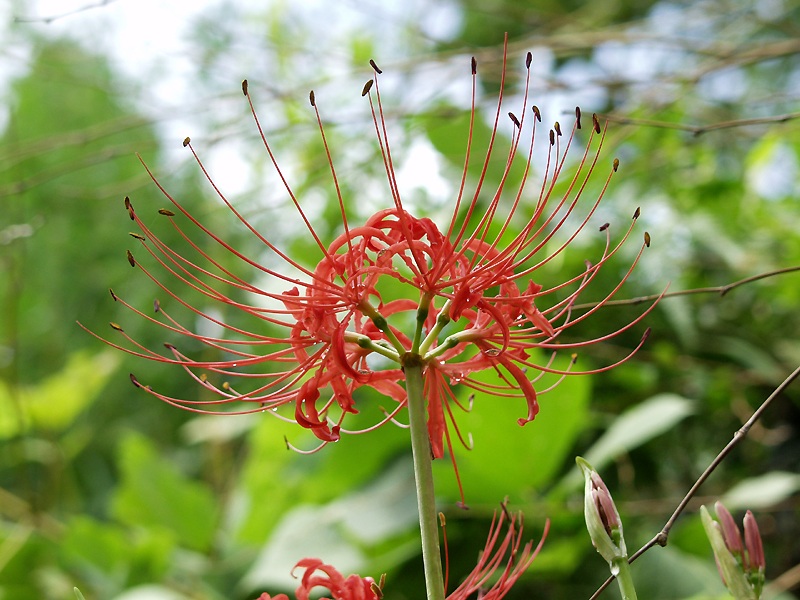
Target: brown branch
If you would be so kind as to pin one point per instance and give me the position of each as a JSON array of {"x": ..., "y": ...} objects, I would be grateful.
[
  {"x": 51, "y": 18},
  {"x": 700, "y": 129},
  {"x": 720, "y": 289},
  {"x": 662, "y": 536}
]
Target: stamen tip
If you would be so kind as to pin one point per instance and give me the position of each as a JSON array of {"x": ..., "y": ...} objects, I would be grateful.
[
  {"x": 616, "y": 165},
  {"x": 514, "y": 119},
  {"x": 156, "y": 306},
  {"x": 116, "y": 326},
  {"x": 312, "y": 99},
  {"x": 595, "y": 123},
  {"x": 557, "y": 127},
  {"x": 528, "y": 60},
  {"x": 131, "y": 260},
  {"x": 129, "y": 208},
  {"x": 244, "y": 86},
  {"x": 647, "y": 239},
  {"x": 604, "y": 226},
  {"x": 536, "y": 112},
  {"x": 367, "y": 87},
  {"x": 374, "y": 66},
  {"x": 474, "y": 66},
  {"x": 166, "y": 212},
  {"x": 578, "y": 116},
  {"x": 637, "y": 212},
  {"x": 113, "y": 295},
  {"x": 186, "y": 141},
  {"x": 134, "y": 381}
]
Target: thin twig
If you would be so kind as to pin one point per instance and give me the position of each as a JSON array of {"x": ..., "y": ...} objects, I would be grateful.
[
  {"x": 700, "y": 129},
  {"x": 661, "y": 537},
  {"x": 51, "y": 18},
  {"x": 720, "y": 289}
]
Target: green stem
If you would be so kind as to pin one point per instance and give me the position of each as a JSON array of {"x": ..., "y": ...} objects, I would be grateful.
[
  {"x": 423, "y": 475},
  {"x": 624, "y": 579}
]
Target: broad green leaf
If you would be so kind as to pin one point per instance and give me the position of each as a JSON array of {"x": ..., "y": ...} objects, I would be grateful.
[
  {"x": 506, "y": 459},
  {"x": 155, "y": 494}
]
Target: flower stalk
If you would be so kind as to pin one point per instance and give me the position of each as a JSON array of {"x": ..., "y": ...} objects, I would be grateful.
[{"x": 423, "y": 477}]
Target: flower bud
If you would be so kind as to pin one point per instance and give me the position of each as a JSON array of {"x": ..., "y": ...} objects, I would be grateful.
[
  {"x": 602, "y": 518},
  {"x": 741, "y": 566}
]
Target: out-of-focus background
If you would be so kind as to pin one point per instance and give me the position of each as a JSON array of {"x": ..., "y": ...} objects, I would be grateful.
[{"x": 105, "y": 488}]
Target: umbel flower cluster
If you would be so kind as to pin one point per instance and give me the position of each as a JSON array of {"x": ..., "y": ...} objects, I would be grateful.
[
  {"x": 395, "y": 294},
  {"x": 473, "y": 302}
]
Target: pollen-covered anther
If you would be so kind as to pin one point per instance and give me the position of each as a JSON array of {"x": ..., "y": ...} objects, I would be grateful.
[
  {"x": 604, "y": 226},
  {"x": 367, "y": 87},
  {"x": 616, "y": 165},
  {"x": 374, "y": 66},
  {"x": 647, "y": 239},
  {"x": 514, "y": 118},
  {"x": 578, "y": 117},
  {"x": 595, "y": 123},
  {"x": 137, "y": 236},
  {"x": 528, "y": 60},
  {"x": 557, "y": 127},
  {"x": 311, "y": 98},
  {"x": 203, "y": 377},
  {"x": 537, "y": 113},
  {"x": 552, "y": 138},
  {"x": 156, "y": 306},
  {"x": 113, "y": 295},
  {"x": 116, "y": 326},
  {"x": 131, "y": 260},
  {"x": 166, "y": 212},
  {"x": 637, "y": 212},
  {"x": 186, "y": 141},
  {"x": 244, "y": 86}
]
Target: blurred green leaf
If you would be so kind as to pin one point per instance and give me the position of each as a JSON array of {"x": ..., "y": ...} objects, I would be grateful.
[
  {"x": 633, "y": 428},
  {"x": 762, "y": 491},
  {"x": 154, "y": 494},
  {"x": 54, "y": 404}
]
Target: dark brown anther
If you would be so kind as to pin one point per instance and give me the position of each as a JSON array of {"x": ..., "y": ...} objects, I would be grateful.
[
  {"x": 474, "y": 66},
  {"x": 186, "y": 141},
  {"x": 528, "y": 60},
  {"x": 574, "y": 359},
  {"x": 367, "y": 88},
  {"x": 604, "y": 226},
  {"x": 596, "y": 123},
  {"x": 136, "y": 236},
  {"x": 311, "y": 98},
  {"x": 135, "y": 381},
  {"x": 130, "y": 258},
  {"x": 637, "y": 212},
  {"x": 113, "y": 295},
  {"x": 156, "y": 306},
  {"x": 169, "y": 346},
  {"x": 165, "y": 212},
  {"x": 557, "y": 127},
  {"x": 244, "y": 86},
  {"x": 536, "y": 112},
  {"x": 616, "y": 164},
  {"x": 578, "y": 116},
  {"x": 552, "y": 138},
  {"x": 514, "y": 118},
  {"x": 646, "y": 239},
  {"x": 374, "y": 66},
  {"x": 129, "y": 208},
  {"x": 116, "y": 326}
]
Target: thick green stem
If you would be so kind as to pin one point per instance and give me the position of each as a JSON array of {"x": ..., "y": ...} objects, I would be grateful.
[
  {"x": 423, "y": 474},
  {"x": 624, "y": 579}
]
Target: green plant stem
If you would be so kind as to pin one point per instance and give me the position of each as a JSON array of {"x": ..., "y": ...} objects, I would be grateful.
[
  {"x": 423, "y": 475},
  {"x": 624, "y": 579}
]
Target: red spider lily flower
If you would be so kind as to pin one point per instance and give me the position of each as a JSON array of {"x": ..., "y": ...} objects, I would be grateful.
[
  {"x": 502, "y": 561},
  {"x": 320, "y": 575},
  {"x": 473, "y": 302}
]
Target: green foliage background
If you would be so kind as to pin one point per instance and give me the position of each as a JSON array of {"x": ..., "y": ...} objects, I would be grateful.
[{"x": 106, "y": 489}]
